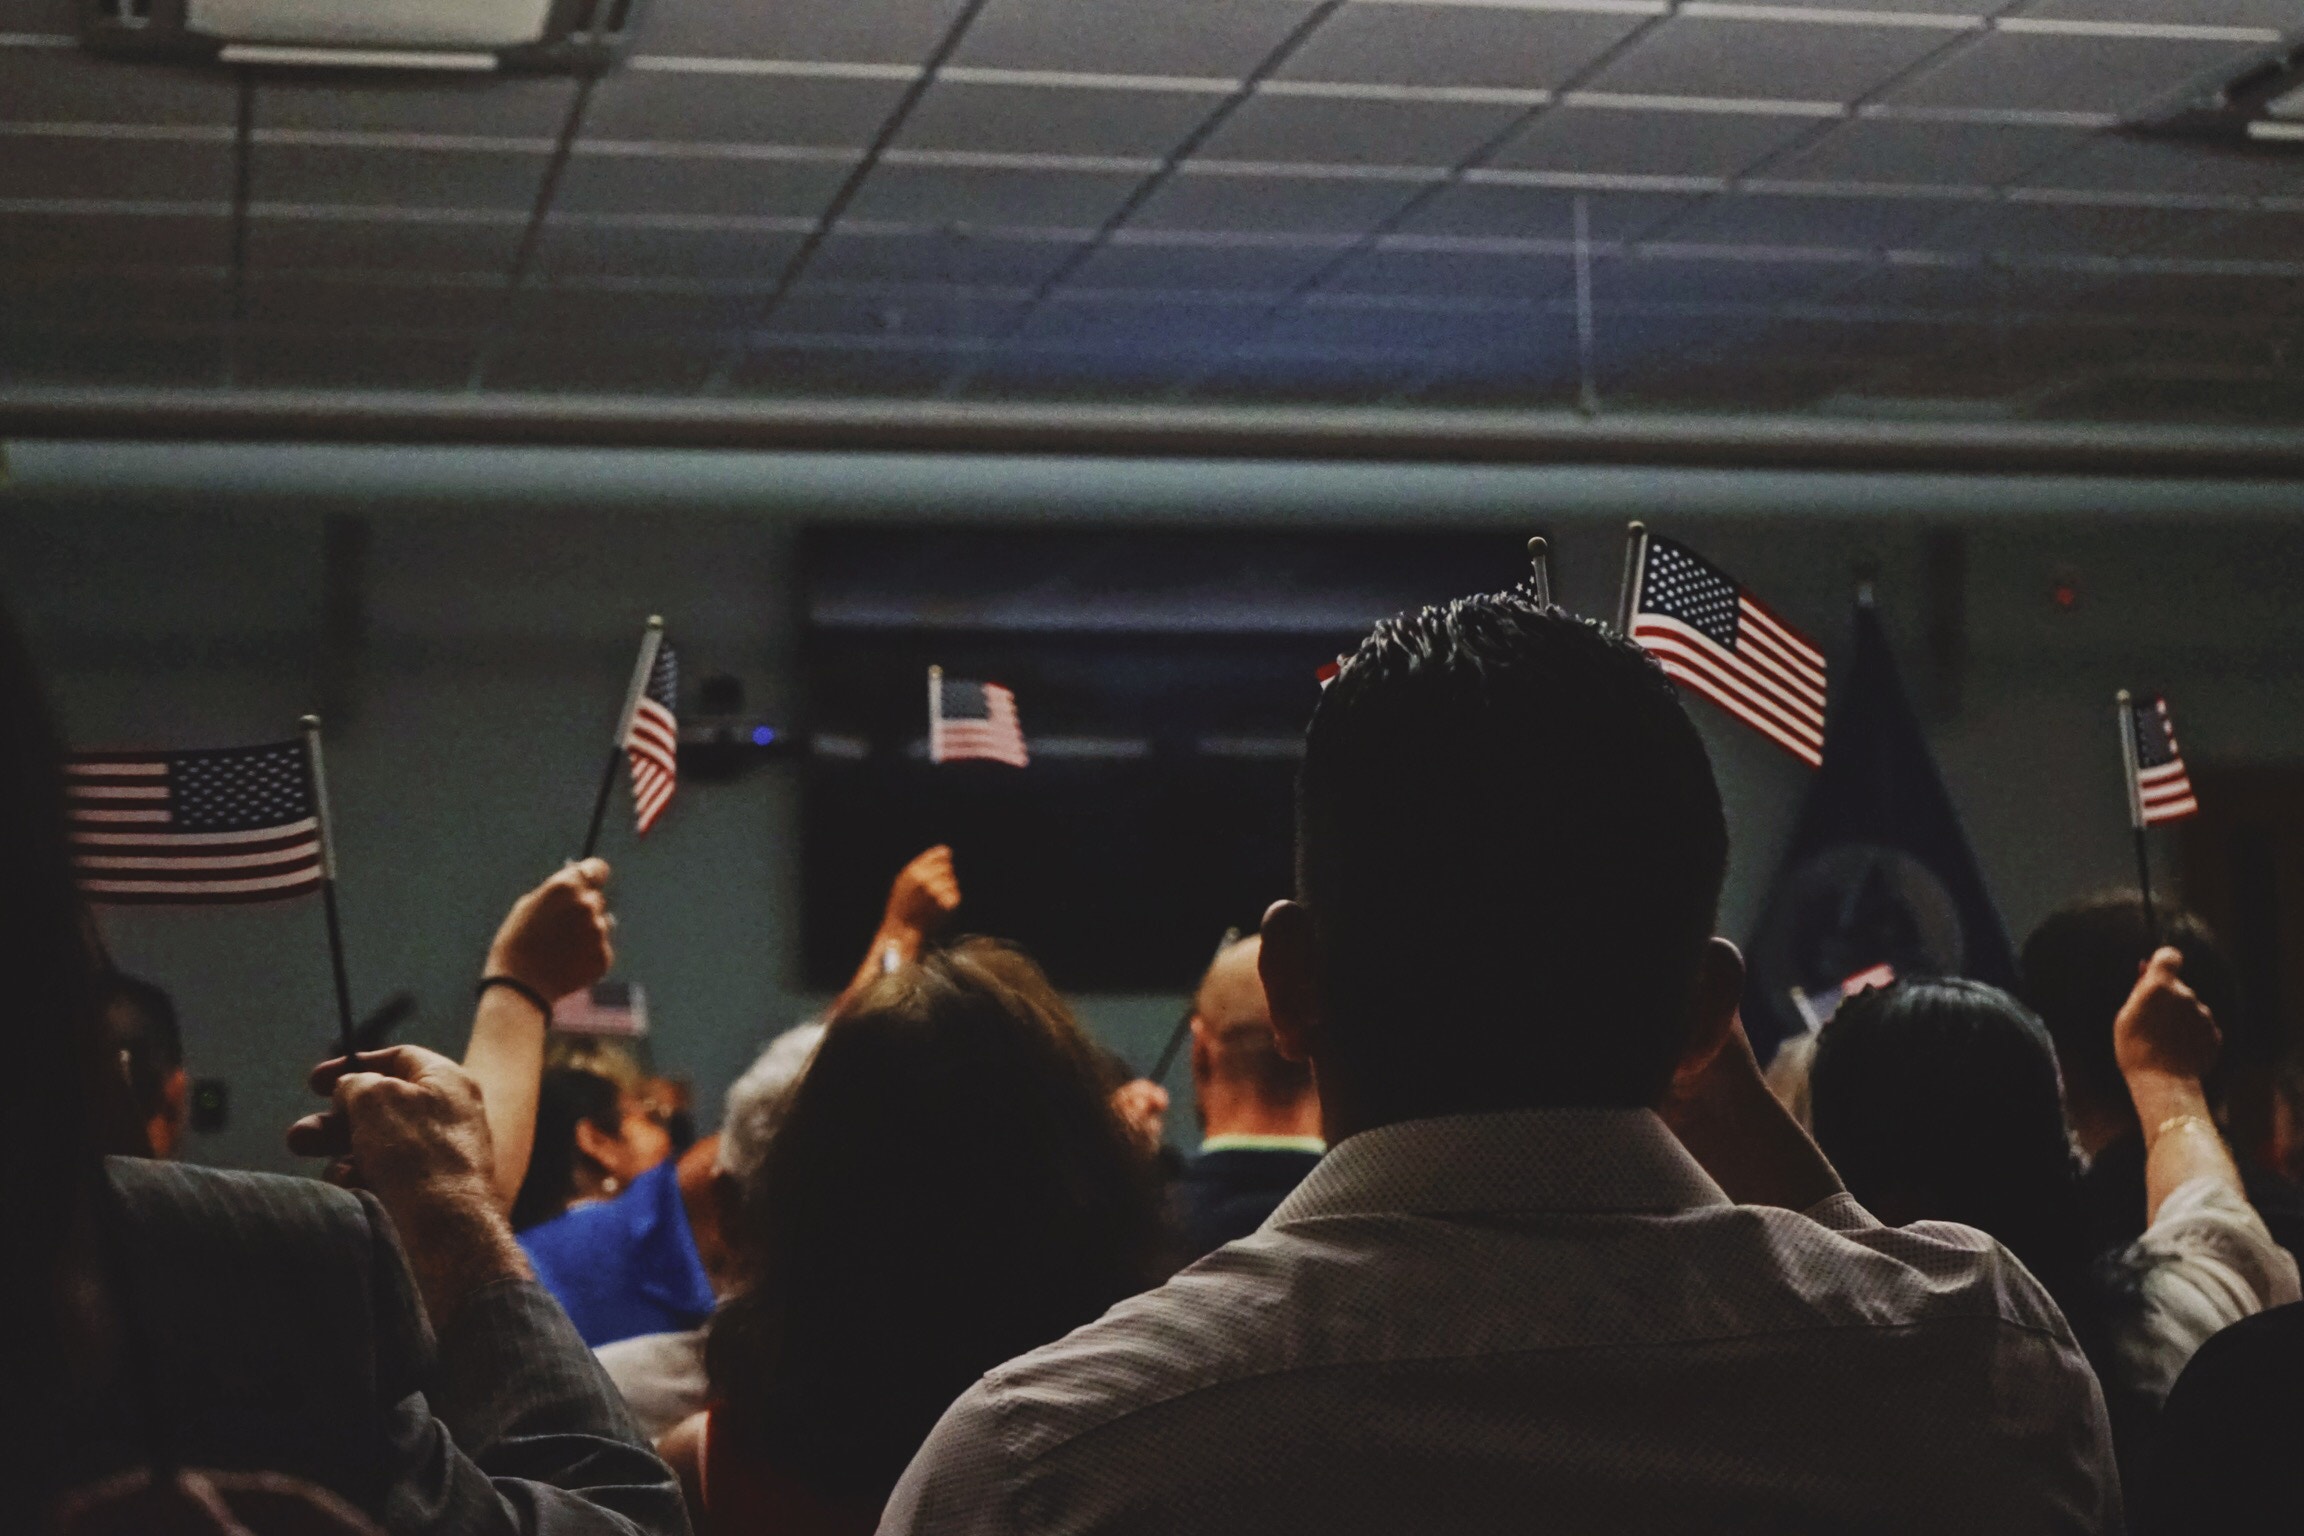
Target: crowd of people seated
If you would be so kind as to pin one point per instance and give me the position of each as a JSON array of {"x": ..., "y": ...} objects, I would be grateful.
[{"x": 1494, "y": 1222}]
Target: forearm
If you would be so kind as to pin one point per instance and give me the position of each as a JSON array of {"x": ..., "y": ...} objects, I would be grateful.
[
  {"x": 506, "y": 1056},
  {"x": 2181, "y": 1142},
  {"x": 457, "y": 1248}
]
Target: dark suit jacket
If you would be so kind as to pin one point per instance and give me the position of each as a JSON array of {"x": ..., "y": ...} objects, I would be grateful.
[
  {"x": 1226, "y": 1195},
  {"x": 278, "y": 1328}
]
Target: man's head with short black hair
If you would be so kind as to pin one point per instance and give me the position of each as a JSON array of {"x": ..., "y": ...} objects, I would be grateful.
[
  {"x": 2079, "y": 966},
  {"x": 1510, "y": 849}
]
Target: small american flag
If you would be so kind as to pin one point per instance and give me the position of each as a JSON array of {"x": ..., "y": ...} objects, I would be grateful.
[
  {"x": 652, "y": 741},
  {"x": 1714, "y": 637},
  {"x": 2161, "y": 790},
  {"x": 604, "y": 1008},
  {"x": 973, "y": 720},
  {"x": 229, "y": 825}
]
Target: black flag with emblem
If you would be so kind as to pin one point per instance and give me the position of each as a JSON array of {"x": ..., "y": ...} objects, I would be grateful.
[{"x": 1879, "y": 880}]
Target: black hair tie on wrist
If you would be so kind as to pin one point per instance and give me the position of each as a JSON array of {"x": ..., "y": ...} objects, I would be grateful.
[{"x": 513, "y": 984}]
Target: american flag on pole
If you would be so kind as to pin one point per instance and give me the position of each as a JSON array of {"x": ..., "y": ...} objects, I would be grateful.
[
  {"x": 973, "y": 720},
  {"x": 2160, "y": 790},
  {"x": 1715, "y": 638},
  {"x": 230, "y": 825},
  {"x": 652, "y": 739}
]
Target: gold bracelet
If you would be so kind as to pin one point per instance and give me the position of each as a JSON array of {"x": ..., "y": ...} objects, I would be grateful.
[{"x": 2173, "y": 1121}]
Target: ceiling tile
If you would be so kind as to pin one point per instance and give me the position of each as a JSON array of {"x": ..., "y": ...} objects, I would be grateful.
[
  {"x": 1681, "y": 279},
  {"x": 1023, "y": 119},
  {"x": 1708, "y": 56},
  {"x": 2047, "y": 72},
  {"x": 1153, "y": 324},
  {"x": 576, "y": 246},
  {"x": 1837, "y": 223},
  {"x": 1054, "y": 372},
  {"x": 1457, "y": 45},
  {"x": 115, "y": 168},
  {"x": 641, "y": 105},
  {"x": 67, "y": 85},
  {"x": 312, "y": 175},
  {"x": 118, "y": 296},
  {"x": 558, "y": 363},
  {"x": 308, "y": 301},
  {"x": 1543, "y": 213},
  {"x": 947, "y": 256},
  {"x": 104, "y": 239},
  {"x": 1324, "y": 131},
  {"x": 895, "y": 312},
  {"x": 1294, "y": 380},
  {"x": 2213, "y": 13},
  {"x": 478, "y": 105},
  {"x": 1387, "y": 269},
  {"x": 2267, "y": 237},
  {"x": 1649, "y": 143},
  {"x": 853, "y": 31},
  {"x": 1224, "y": 38},
  {"x": 784, "y": 369},
  {"x": 1194, "y": 199},
  {"x": 57, "y": 18},
  {"x": 640, "y": 306},
  {"x": 593, "y": 183},
  {"x": 2116, "y": 162},
  {"x": 2033, "y": 229},
  {"x": 363, "y": 360},
  {"x": 967, "y": 196},
  {"x": 387, "y": 241},
  {"x": 1348, "y": 321},
  {"x": 1928, "y": 154},
  {"x": 1265, "y": 269},
  {"x": 2248, "y": 297}
]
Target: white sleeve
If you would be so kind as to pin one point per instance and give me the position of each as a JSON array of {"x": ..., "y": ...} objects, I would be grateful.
[{"x": 2207, "y": 1262}]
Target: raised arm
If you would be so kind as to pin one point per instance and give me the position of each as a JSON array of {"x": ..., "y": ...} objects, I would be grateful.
[
  {"x": 554, "y": 941},
  {"x": 923, "y": 898},
  {"x": 2165, "y": 1041}
]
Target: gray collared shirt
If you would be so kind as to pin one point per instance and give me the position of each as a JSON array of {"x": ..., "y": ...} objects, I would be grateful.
[{"x": 1550, "y": 1320}]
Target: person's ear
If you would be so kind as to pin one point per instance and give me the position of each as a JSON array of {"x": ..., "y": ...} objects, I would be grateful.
[
  {"x": 1202, "y": 1054},
  {"x": 1718, "y": 997},
  {"x": 605, "y": 1150},
  {"x": 1288, "y": 964}
]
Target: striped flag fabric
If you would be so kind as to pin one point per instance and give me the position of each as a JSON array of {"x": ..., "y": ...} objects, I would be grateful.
[
  {"x": 2160, "y": 789},
  {"x": 235, "y": 824},
  {"x": 973, "y": 720},
  {"x": 1716, "y": 639},
  {"x": 652, "y": 740}
]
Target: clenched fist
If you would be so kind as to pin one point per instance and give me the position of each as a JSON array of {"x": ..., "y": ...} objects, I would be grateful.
[
  {"x": 2164, "y": 1029},
  {"x": 925, "y": 894},
  {"x": 557, "y": 938},
  {"x": 408, "y": 1125}
]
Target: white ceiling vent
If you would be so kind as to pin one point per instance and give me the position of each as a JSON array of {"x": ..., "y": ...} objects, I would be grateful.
[{"x": 528, "y": 36}]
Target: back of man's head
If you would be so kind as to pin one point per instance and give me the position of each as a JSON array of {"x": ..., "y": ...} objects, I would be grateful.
[
  {"x": 1512, "y": 847},
  {"x": 1238, "y": 1050},
  {"x": 2081, "y": 963}
]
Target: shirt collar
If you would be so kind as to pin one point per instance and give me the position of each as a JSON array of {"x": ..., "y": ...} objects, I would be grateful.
[
  {"x": 1242, "y": 1141},
  {"x": 1585, "y": 1160}
]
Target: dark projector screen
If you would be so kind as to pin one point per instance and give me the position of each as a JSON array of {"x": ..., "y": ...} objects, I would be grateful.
[{"x": 1163, "y": 681}]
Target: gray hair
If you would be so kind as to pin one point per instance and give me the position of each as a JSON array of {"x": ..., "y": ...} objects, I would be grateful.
[{"x": 758, "y": 1099}]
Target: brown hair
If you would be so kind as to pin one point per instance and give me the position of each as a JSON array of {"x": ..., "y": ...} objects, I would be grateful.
[{"x": 949, "y": 1188}]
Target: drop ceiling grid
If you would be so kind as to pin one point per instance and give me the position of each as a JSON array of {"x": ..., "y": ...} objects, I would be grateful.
[{"x": 326, "y": 205}]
